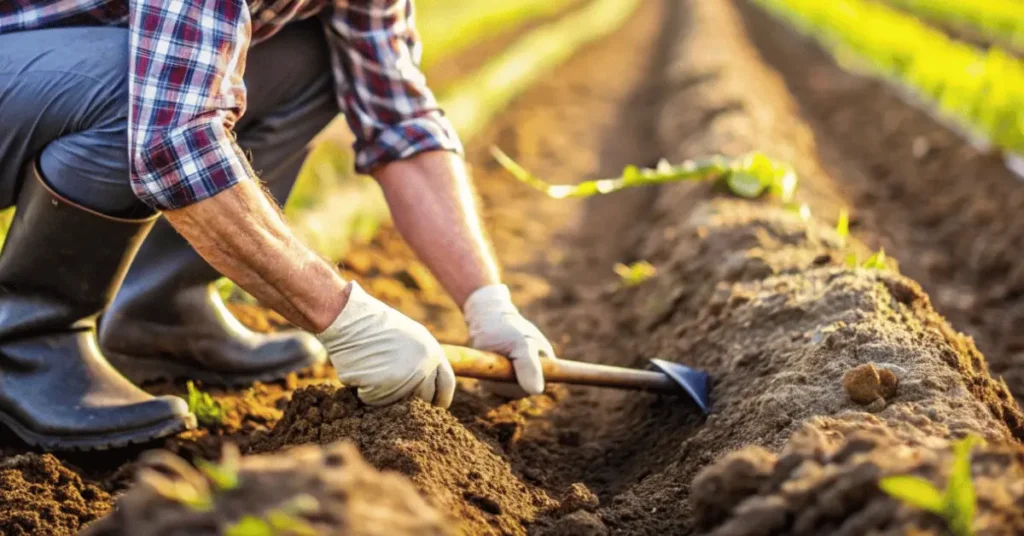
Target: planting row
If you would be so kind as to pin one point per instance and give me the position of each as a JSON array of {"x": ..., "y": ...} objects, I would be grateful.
[
  {"x": 979, "y": 94},
  {"x": 998, "y": 21}
]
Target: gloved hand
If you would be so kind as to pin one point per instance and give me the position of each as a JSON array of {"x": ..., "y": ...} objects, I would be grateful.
[
  {"x": 385, "y": 354},
  {"x": 495, "y": 325}
]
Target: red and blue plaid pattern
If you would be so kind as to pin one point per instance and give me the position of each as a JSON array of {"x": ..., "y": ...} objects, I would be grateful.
[{"x": 186, "y": 88}]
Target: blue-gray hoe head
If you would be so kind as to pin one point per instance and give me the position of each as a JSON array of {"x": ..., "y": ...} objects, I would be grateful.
[{"x": 696, "y": 383}]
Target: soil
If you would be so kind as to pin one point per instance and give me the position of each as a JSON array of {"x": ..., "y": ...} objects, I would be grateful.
[
  {"x": 951, "y": 215},
  {"x": 824, "y": 482},
  {"x": 42, "y": 496},
  {"x": 826, "y": 377},
  {"x": 328, "y": 490}
]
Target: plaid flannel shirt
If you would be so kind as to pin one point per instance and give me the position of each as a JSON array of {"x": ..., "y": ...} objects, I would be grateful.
[{"x": 186, "y": 88}]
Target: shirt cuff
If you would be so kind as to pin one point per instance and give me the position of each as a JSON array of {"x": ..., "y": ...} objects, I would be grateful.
[
  {"x": 431, "y": 131},
  {"x": 188, "y": 164}
]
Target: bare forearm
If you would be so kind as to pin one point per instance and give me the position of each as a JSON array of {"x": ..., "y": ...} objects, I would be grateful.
[
  {"x": 432, "y": 204},
  {"x": 242, "y": 234}
]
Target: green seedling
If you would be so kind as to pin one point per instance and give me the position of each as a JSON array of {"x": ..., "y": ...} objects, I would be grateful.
[
  {"x": 223, "y": 475},
  {"x": 283, "y": 521},
  {"x": 195, "y": 496},
  {"x": 208, "y": 411},
  {"x": 635, "y": 273},
  {"x": 877, "y": 261},
  {"x": 843, "y": 226},
  {"x": 955, "y": 504},
  {"x": 750, "y": 176}
]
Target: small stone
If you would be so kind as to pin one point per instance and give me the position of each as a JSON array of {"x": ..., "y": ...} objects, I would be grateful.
[
  {"x": 579, "y": 497},
  {"x": 865, "y": 384},
  {"x": 889, "y": 383}
]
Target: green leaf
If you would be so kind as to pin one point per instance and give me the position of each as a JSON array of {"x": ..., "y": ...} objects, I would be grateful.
[
  {"x": 876, "y": 261},
  {"x": 714, "y": 168},
  {"x": 635, "y": 273},
  {"x": 285, "y": 523},
  {"x": 250, "y": 526},
  {"x": 959, "y": 497},
  {"x": 914, "y": 491},
  {"x": 843, "y": 225},
  {"x": 207, "y": 410},
  {"x": 223, "y": 475},
  {"x": 745, "y": 185}
]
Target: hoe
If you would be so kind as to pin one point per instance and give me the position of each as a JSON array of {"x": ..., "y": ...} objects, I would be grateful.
[{"x": 668, "y": 377}]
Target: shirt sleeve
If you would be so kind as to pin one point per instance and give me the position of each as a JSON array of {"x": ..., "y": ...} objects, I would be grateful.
[
  {"x": 376, "y": 54},
  {"x": 186, "y": 94}
]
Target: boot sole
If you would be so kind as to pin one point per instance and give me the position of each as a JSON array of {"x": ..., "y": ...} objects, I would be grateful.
[
  {"x": 142, "y": 370},
  {"x": 99, "y": 442}
]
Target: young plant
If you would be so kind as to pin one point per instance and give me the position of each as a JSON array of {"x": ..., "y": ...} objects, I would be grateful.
[
  {"x": 955, "y": 504},
  {"x": 635, "y": 273},
  {"x": 175, "y": 480},
  {"x": 877, "y": 261},
  {"x": 223, "y": 475},
  {"x": 208, "y": 411},
  {"x": 843, "y": 226},
  {"x": 750, "y": 176},
  {"x": 282, "y": 521}
]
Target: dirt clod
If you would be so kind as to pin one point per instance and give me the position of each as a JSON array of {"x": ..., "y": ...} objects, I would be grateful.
[
  {"x": 867, "y": 384},
  {"x": 330, "y": 490},
  {"x": 825, "y": 483},
  {"x": 453, "y": 468},
  {"x": 578, "y": 497}
]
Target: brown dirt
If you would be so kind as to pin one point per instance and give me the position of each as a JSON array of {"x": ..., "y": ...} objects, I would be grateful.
[
  {"x": 952, "y": 216},
  {"x": 823, "y": 482},
  {"x": 749, "y": 291},
  {"x": 457, "y": 471},
  {"x": 330, "y": 490},
  {"x": 42, "y": 496}
]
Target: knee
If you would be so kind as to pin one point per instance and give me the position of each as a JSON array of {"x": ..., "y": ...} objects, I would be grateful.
[{"x": 91, "y": 168}]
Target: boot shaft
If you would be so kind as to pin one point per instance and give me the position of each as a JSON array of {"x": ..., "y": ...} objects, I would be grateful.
[{"x": 61, "y": 263}]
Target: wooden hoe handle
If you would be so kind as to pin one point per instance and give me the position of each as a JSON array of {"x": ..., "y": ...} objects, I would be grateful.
[{"x": 471, "y": 363}]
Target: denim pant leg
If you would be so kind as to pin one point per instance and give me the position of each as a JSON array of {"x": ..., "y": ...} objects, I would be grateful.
[{"x": 64, "y": 101}]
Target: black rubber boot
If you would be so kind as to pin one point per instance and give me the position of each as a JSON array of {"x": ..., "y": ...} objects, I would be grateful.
[
  {"x": 168, "y": 322},
  {"x": 60, "y": 266}
]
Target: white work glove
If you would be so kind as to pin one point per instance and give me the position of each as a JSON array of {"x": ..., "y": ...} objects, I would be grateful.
[
  {"x": 495, "y": 325},
  {"x": 385, "y": 354}
]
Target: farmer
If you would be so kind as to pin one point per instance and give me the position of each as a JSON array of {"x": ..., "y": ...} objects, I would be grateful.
[{"x": 115, "y": 112}]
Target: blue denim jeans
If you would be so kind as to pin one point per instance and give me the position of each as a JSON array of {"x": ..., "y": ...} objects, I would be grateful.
[{"x": 64, "y": 101}]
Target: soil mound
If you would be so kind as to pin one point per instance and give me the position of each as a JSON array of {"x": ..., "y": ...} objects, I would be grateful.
[
  {"x": 824, "y": 482},
  {"x": 39, "y": 495},
  {"x": 330, "y": 490},
  {"x": 454, "y": 469}
]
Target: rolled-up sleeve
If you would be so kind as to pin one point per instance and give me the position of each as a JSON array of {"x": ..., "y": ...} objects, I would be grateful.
[
  {"x": 186, "y": 94},
  {"x": 376, "y": 53}
]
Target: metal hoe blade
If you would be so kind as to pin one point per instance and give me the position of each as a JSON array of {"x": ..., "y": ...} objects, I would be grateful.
[{"x": 696, "y": 383}]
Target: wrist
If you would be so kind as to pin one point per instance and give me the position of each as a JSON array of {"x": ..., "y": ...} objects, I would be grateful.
[
  {"x": 355, "y": 304},
  {"x": 488, "y": 300}
]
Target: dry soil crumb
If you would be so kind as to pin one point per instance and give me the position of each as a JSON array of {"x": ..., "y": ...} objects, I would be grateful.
[
  {"x": 39, "y": 495},
  {"x": 331, "y": 490},
  {"x": 825, "y": 481}
]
